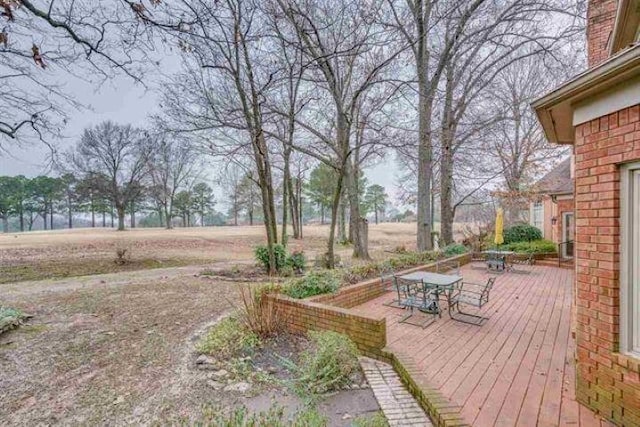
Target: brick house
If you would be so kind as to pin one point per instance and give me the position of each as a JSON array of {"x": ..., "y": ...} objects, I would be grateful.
[
  {"x": 598, "y": 112},
  {"x": 551, "y": 209}
]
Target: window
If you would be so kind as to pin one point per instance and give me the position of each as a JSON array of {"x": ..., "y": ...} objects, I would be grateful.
[
  {"x": 537, "y": 216},
  {"x": 630, "y": 259}
]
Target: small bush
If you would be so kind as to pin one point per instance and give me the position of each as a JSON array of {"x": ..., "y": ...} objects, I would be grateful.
[
  {"x": 297, "y": 261},
  {"x": 359, "y": 273},
  {"x": 227, "y": 339},
  {"x": 322, "y": 261},
  {"x": 401, "y": 249},
  {"x": 314, "y": 283},
  {"x": 377, "y": 420},
  {"x": 123, "y": 256},
  {"x": 454, "y": 249},
  {"x": 258, "y": 314},
  {"x": 10, "y": 318},
  {"x": 535, "y": 247},
  {"x": 329, "y": 364},
  {"x": 521, "y": 233},
  {"x": 262, "y": 256},
  {"x": 273, "y": 417}
]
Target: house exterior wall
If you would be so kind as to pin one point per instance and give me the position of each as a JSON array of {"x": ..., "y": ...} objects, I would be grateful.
[
  {"x": 553, "y": 209},
  {"x": 607, "y": 381},
  {"x": 563, "y": 205},
  {"x": 601, "y": 17}
]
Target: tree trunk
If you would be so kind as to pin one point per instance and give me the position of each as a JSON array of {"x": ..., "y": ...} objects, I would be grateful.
[
  {"x": 121, "y": 212},
  {"x": 375, "y": 212},
  {"x": 294, "y": 200},
  {"x": 321, "y": 214},
  {"x": 332, "y": 228},
  {"x": 5, "y": 224},
  {"x": 299, "y": 206},
  {"x": 446, "y": 165},
  {"x": 261, "y": 154},
  {"x": 342, "y": 219},
  {"x": 21, "y": 218},
  {"x": 425, "y": 166},
  {"x": 44, "y": 218},
  {"x": 104, "y": 219},
  {"x": 360, "y": 244},
  {"x": 93, "y": 215},
  {"x": 51, "y": 214},
  {"x": 133, "y": 214},
  {"x": 286, "y": 190},
  {"x": 70, "y": 218}
]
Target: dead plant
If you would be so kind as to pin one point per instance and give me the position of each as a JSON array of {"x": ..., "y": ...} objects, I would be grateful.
[{"x": 258, "y": 313}]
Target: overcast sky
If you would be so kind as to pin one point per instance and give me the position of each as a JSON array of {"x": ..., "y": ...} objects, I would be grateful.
[{"x": 124, "y": 102}]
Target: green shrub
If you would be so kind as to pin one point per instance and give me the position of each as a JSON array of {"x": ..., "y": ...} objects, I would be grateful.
[
  {"x": 377, "y": 420},
  {"x": 328, "y": 365},
  {"x": 454, "y": 249},
  {"x": 540, "y": 246},
  {"x": 10, "y": 318},
  {"x": 273, "y": 417},
  {"x": 262, "y": 256},
  {"x": 521, "y": 233},
  {"x": 359, "y": 273},
  {"x": 297, "y": 261},
  {"x": 227, "y": 339},
  {"x": 314, "y": 283}
]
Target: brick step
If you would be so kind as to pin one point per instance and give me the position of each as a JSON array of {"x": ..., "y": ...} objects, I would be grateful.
[{"x": 553, "y": 262}]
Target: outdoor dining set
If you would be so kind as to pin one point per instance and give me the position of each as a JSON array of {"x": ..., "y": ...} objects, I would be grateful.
[{"x": 423, "y": 291}]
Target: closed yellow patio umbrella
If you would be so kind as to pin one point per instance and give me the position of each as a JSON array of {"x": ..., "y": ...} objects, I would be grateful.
[{"x": 499, "y": 238}]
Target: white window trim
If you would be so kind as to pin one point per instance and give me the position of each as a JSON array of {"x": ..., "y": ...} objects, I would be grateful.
[
  {"x": 533, "y": 217},
  {"x": 627, "y": 294}
]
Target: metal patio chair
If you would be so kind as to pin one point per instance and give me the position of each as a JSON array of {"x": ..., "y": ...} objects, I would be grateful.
[
  {"x": 418, "y": 296},
  {"x": 515, "y": 260},
  {"x": 478, "y": 261},
  {"x": 475, "y": 295},
  {"x": 389, "y": 283},
  {"x": 448, "y": 267}
]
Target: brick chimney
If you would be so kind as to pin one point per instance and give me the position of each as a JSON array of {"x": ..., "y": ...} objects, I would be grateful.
[{"x": 601, "y": 17}]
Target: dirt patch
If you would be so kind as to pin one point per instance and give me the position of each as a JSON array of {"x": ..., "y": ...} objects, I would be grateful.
[{"x": 122, "y": 352}]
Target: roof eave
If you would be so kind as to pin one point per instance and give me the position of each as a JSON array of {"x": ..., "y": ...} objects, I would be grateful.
[{"x": 555, "y": 108}]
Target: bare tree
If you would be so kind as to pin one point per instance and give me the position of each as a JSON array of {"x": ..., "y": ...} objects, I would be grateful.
[
  {"x": 226, "y": 76},
  {"x": 45, "y": 40},
  {"x": 517, "y": 140},
  {"x": 347, "y": 54},
  {"x": 172, "y": 163},
  {"x": 119, "y": 154}
]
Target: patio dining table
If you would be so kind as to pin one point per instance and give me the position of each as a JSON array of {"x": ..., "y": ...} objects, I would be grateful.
[
  {"x": 444, "y": 284},
  {"x": 497, "y": 259}
]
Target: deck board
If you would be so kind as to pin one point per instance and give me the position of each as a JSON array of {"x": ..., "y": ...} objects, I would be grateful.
[{"x": 515, "y": 370}]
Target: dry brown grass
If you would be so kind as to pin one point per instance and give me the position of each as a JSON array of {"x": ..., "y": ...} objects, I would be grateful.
[{"x": 68, "y": 253}]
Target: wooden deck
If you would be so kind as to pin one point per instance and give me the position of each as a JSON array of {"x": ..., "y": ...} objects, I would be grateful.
[{"x": 515, "y": 370}]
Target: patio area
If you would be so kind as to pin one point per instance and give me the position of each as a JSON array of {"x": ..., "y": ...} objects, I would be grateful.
[{"x": 515, "y": 370}]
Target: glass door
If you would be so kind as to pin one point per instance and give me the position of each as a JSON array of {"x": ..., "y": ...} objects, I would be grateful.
[{"x": 568, "y": 234}]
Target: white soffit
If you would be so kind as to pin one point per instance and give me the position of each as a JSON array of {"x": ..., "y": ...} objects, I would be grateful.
[
  {"x": 556, "y": 110},
  {"x": 625, "y": 94}
]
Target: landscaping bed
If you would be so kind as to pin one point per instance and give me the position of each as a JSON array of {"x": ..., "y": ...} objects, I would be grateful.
[{"x": 283, "y": 379}]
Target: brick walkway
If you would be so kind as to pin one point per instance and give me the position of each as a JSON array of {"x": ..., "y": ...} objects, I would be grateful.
[
  {"x": 397, "y": 404},
  {"x": 515, "y": 370}
]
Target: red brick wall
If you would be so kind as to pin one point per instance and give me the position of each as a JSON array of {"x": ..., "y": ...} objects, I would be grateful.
[
  {"x": 607, "y": 381},
  {"x": 369, "y": 334},
  {"x": 601, "y": 16}
]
